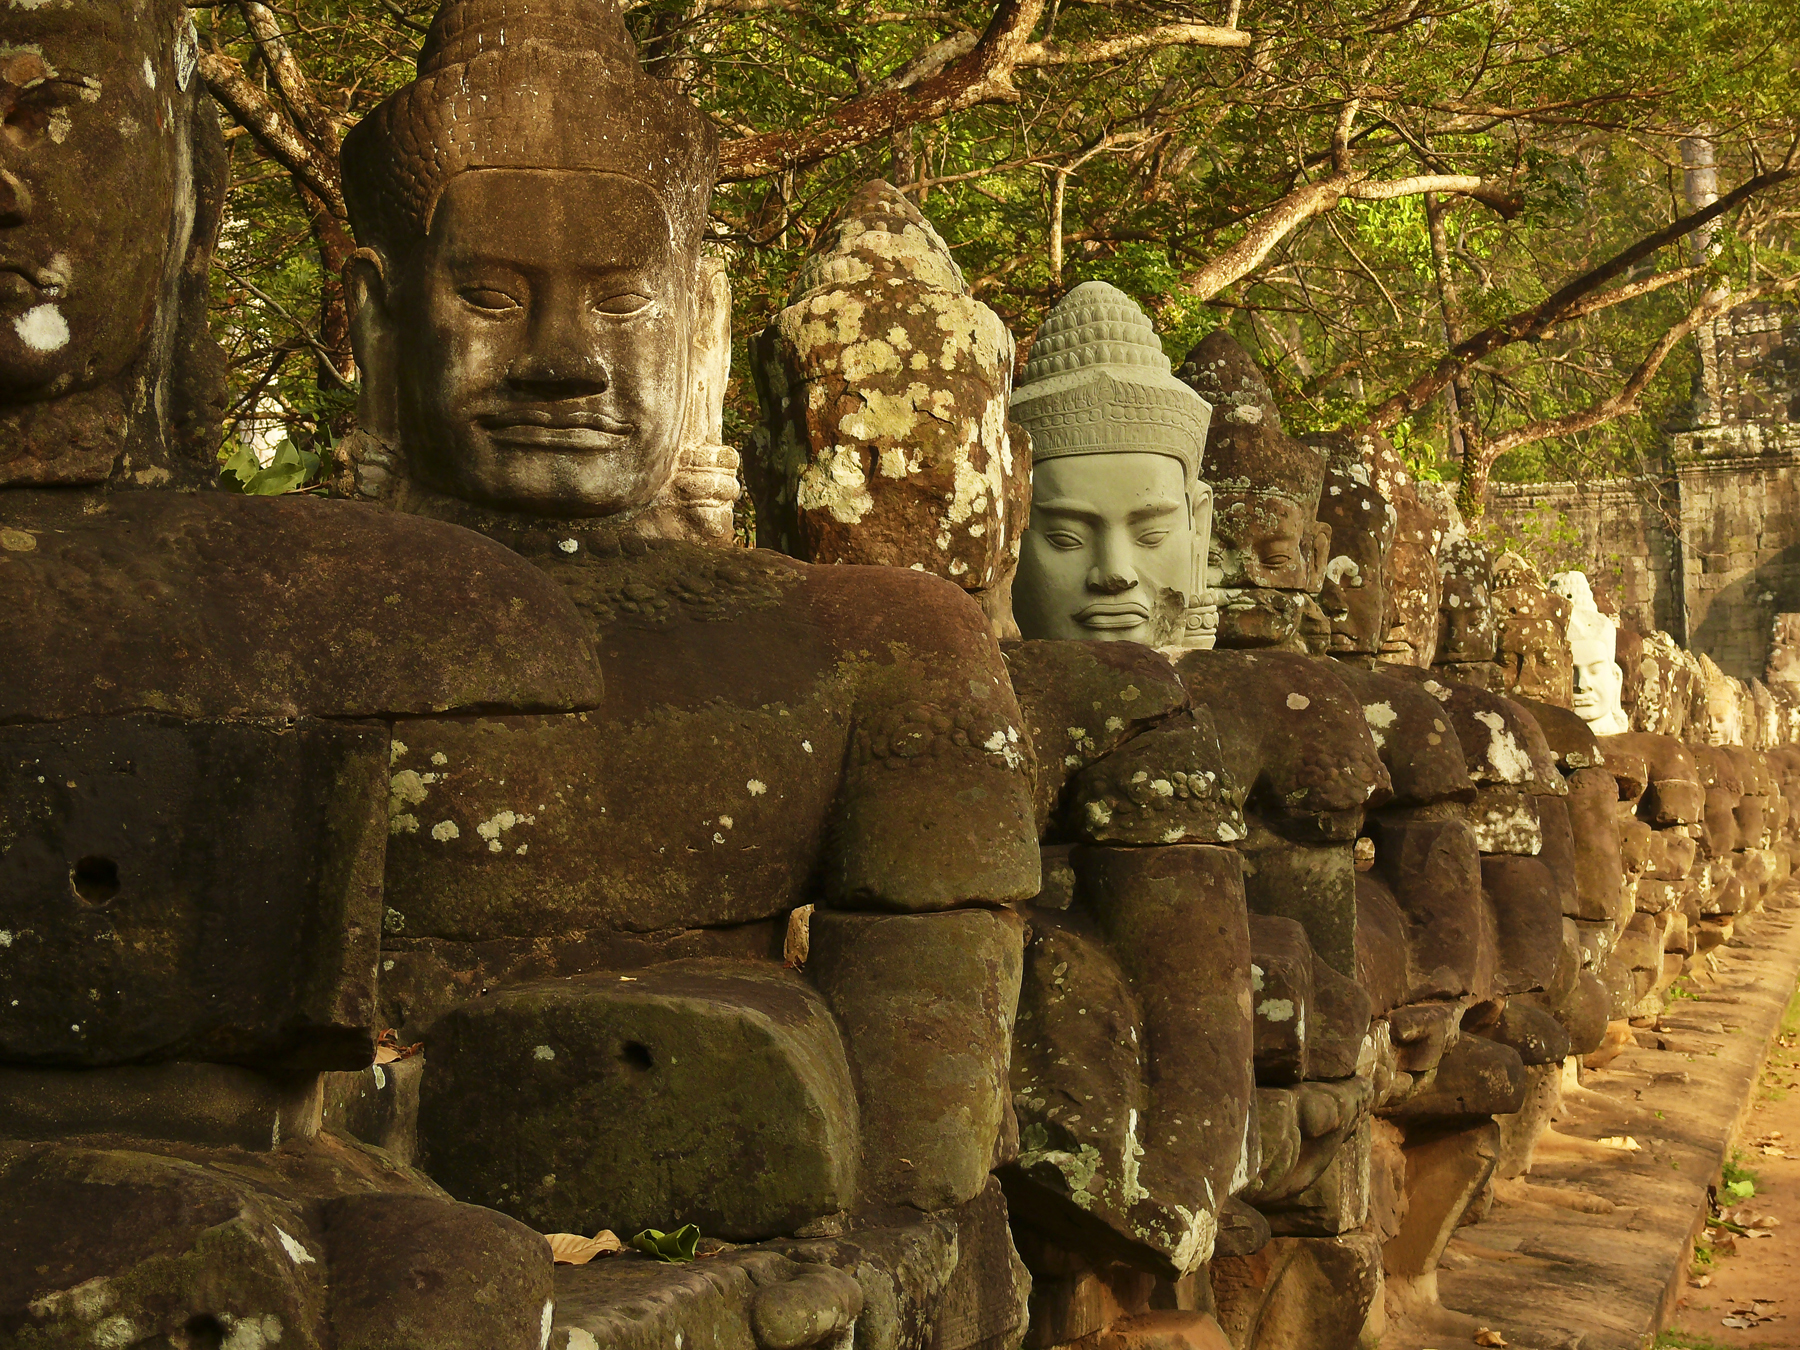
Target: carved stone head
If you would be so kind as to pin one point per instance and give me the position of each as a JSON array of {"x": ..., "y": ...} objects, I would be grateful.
[
  {"x": 1269, "y": 548},
  {"x": 1467, "y": 635},
  {"x": 1116, "y": 546},
  {"x": 1534, "y": 642},
  {"x": 1363, "y": 524},
  {"x": 1598, "y": 682},
  {"x": 110, "y": 170},
  {"x": 531, "y": 212},
  {"x": 884, "y": 386}
]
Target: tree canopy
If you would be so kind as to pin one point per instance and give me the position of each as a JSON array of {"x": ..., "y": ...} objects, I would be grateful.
[{"x": 1486, "y": 227}]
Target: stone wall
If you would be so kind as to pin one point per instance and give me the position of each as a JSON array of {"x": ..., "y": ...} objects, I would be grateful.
[{"x": 1732, "y": 494}]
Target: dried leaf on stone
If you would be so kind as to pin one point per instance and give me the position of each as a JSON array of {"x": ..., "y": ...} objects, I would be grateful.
[
  {"x": 1740, "y": 1323},
  {"x": 388, "y": 1049},
  {"x": 1485, "y": 1336},
  {"x": 571, "y": 1249},
  {"x": 1621, "y": 1141}
]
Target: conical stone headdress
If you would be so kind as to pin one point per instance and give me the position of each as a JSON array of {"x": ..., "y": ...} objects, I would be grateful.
[
  {"x": 526, "y": 84},
  {"x": 1098, "y": 383}
]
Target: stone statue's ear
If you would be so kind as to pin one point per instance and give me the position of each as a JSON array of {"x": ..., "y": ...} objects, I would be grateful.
[
  {"x": 1201, "y": 500},
  {"x": 1318, "y": 551},
  {"x": 374, "y": 337}
]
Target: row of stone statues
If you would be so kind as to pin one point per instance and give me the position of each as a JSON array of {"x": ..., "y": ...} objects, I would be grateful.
[{"x": 1153, "y": 905}]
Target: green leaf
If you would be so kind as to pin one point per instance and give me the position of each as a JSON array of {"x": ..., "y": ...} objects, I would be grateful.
[
  {"x": 1741, "y": 1190},
  {"x": 673, "y": 1247},
  {"x": 291, "y": 468},
  {"x": 240, "y": 466}
]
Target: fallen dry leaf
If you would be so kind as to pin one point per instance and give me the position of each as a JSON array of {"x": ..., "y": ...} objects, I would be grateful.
[
  {"x": 571, "y": 1249},
  {"x": 1620, "y": 1141},
  {"x": 1741, "y": 1323},
  {"x": 1700, "y": 1281},
  {"x": 388, "y": 1049},
  {"x": 1486, "y": 1336}
]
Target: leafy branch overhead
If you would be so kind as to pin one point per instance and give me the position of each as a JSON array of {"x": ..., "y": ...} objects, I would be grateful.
[{"x": 1493, "y": 231}]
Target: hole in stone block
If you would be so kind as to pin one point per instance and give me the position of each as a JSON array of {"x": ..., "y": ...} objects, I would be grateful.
[
  {"x": 205, "y": 1332},
  {"x": 637, "y": 1056},
  {"x": 95, "y": 879}
]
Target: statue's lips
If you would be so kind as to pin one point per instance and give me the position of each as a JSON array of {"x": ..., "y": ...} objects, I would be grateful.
[
  {"x": 1106, "y": 617},
  {"x": 19, "y": 285},
  {"x": 576, "y": 432}
]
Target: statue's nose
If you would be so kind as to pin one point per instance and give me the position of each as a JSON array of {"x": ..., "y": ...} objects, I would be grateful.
[
  {"x": 1109, "y": 582},
  {"x": 15, "y": 199}
]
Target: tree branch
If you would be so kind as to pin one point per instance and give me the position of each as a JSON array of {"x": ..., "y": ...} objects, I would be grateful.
[
  {"x": 1565, "y": 304},
  {"x": 1285, "y": 216},
  {"x": 279, "y": 138},
  {"x": 948, "y": 77},
  {"x": 1621, "y": 404}
]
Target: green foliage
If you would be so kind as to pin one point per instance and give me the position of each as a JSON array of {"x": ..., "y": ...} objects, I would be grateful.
[
  {"x": 1172, "y": 154},
  {"x": 290, "y": 469},
  {"x": 1737, "y": 1182},
  {"x": 673, "y": 1247}
]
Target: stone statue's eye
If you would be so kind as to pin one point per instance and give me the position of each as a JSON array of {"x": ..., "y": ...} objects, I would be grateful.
[
  {"x": 1277, "y": 560},
  {"x": 1063, "y": 539},
  {"x": 486, "y": 297},
  {"x": 627, "y": 302},
  {"x": 1151, "y": 538}
]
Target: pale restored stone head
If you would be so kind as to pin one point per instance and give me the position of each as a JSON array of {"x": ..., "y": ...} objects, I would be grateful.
[
  {"x": 531, "y": 212},
  {"x": 1117, "y": 542},
  {"x": 1598, "y": 682},
  {"x": 1269, "y": 549},
  {"x": 110, "y": 174}
]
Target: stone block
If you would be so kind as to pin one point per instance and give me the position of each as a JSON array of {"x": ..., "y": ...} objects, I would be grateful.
[
  {"x": 1445, "y": 1170},
  {"x": 1506, "y": 821},
  {"x": 1476, "y": 1077},
  {"x": 1433, "y": 868},
  {"x": 927, "y": 1004},
  {"x": 1528, "y": 920},
  {"x": 1340, "y": 1024},
  {"x": 1314, "y": 884},
  {"x": 1592, "y": 805},
  {"x": 698, "y": 1092},
  {"x": 1321, "y": 1293},
  {"x": 174, "y": 890},
  {"x": 1281, "y": 982},
  {"x": 210, "y": 1104}
]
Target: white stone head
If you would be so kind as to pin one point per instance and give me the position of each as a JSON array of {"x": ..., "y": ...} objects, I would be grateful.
[{"x": 1593, "y": 642}]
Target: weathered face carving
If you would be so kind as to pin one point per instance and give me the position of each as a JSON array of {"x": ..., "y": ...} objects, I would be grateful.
[
  {"x": 88, "y": 164},
  {"x": 1465, "y": 619},
  {"x": 1355, "y": 591},
  {"x": 1111, "y": 550},
  {"x": 545, "y": 343},
  {"x": 1267, "y": 554}
]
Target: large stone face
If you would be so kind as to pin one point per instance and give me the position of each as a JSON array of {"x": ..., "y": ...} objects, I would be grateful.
[
  {"x": 111, "y": 209},
  {"x": 884, "y": 386}
]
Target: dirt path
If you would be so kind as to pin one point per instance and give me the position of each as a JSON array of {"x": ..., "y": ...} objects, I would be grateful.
[{"x": 1755, "y": 1280}]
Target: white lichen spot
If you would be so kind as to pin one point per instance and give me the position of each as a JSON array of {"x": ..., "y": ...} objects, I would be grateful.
[
  {"x": 42, "y": 328},
  {"x": 1175, "y": 835},
  {"x": 1508, "y": 758},
  {"x": 543, "y": 1052},
  {"x": 6, "y": 937},
  {"x": 296, "y": 1252},
  {"x": 251, "y": 1333},
  {"x": 1276, "y": 1009},
  {"x": 569, "y": 545},
  {"x": 395, "y": 751},
  {"x": 756, "y": 787},
  {"x": 1162, "y": 787},
  {"x": 580, "y": 1339},
  {"x": 1256, "y": 978},
  {"x": 1098, "y": 814},
  {"x": 444, "y": 831},
  {"x": 726, "y": 822},
  {"x": 806, "y": 746},
  {"x": 1299, "y": 702},
  {"x": 549, "y": 1320},
  {"x": 115, "y": 1333}
]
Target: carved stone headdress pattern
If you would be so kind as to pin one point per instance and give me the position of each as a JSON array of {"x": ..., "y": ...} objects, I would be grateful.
[
  {"x": 526, "y": 84},
  {"x": 1098, "y": 383}
]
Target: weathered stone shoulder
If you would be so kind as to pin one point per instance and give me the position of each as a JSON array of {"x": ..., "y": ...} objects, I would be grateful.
[{"x": 220, "y": 606}]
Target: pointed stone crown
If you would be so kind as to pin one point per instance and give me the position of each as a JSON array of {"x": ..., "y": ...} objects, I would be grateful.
[
  {"x": 1098, "y": 383},
  {"x": 526, "y": 84},
  {"x": 1248, "y": 451}
]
